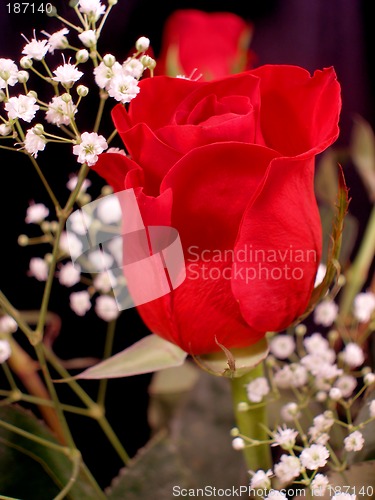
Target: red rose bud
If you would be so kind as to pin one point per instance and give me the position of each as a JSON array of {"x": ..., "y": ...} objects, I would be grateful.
[
  {"x": 230, "y": 165},
  {"x": 209, "y": 44}
]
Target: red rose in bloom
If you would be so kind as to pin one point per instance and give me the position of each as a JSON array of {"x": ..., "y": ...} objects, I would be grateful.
[
  {"x": 230, "y": 165},
  {"x": 212, "y": 44}
]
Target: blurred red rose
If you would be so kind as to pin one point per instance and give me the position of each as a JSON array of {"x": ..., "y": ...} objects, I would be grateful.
[
  {"x": 213, "y": 45},
  {"x": 230, "y": 165}
]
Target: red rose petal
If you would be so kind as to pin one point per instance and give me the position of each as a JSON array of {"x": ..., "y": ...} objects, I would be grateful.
[
  {"x": 283, "y": 226},
  {"x": 298, "y": 112}
]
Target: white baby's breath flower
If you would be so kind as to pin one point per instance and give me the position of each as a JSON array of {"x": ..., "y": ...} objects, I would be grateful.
[
  {"x": 282, "y": 346},
  {"x": 90, "y": 147},
  {"x": 69, "y": 275},
  {"x": 92, "y": 8},
  {"x": 238, "y": 443},
  {"x": 60, "y": 112},
  {"x": 142, "y": 44},
  {"x": 364, "y": 306},
  {"x": 346, "y": 384},
  {"x": 260, "y": 479},
  {"x": 353, "y": 355},
  {"x": 354, "y": 442},
  {"x": 72, "y": 182},
  {"x": 123, "y": 88},
  {"x": 82, "y": 56},
  {"x": 5, "y": 350},
  {"x": 38, "y": 268},
  {"x": 36, "y": 213},
  {"x": 118, "y": 151},
  {"x": 36, "y": 49},
  {"x": 5, "y": 129},
  {"x": 103, "y": 281},
  {"x": 88, "y": 38},
  {"x": 314, "y": 456},
  {"x": 67, "y": 74},
  {"x": 290, "y": 412},
  {"x": 288, "y": 468},
  {"x": 106, "y": 308},
  {"x": 22, "y": 107},
  {"x": 335, "y": 394},
  {"x": 70, "y": 244},
  {"x": 133, "y": 67},
  {"x": 34, "y": 142},
  {"x": 79, "y": 222},
  {"x": 326, "y": 312},
  {"x": 257, "y": 389},
  {"x": 316, "y": 344},
  {"x": 109, "y": 210},
  {"x": 100, "y": 260},
  {"x": 8, "y": 73},
  {"x": 57, "y": 40},
  {"x": 285, "y": 437},
  {"x": 80, "y": 302},
  {"x": 319, "y": 485},
  {"x": 103, "y": 74},
  {"x": 8, "y": 324},
  {"x": 369, "y": 378}
]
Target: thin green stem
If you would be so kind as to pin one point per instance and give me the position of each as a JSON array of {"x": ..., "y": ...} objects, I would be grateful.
[
  {"x": 103, "y": 98},
  {"x": 12, "y": 311},
  {"x": 104, "y": 18},
  {"x": 76, "y": 459},
  {"x": 94, "y": 410},
  {"x": 107, "y": 352},
  {"x": 45, "y": 183},
  {"x": 48, "y": 286},
  {"x": 52, "y": 392},
  {"x": 34, "y": 437},
  {"x": 252, "y": 423},
  {"x": 9, "y": 377},
  {"x": 112, "y": 136}
]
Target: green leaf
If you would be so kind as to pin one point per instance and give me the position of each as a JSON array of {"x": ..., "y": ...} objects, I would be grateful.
[
  {"x": 236, "y": 362},
  {"x": 333, "y": 265},
  {"x": 358, "y": 480},
  {"x": 32, "y": 471},
  {"x": 362, "y": 151},
  {"x": 152, "y": 474},
  {"x": 150, "y": 354}
]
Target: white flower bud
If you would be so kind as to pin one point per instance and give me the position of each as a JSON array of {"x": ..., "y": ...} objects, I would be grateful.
[
  {"x": 26, "y": 62},
  {"x": 148, "y": 62},
  {"x": 142, "y": 44},
  {"x": 335, "y": 394},
  {"x": 238, "y": 443},
  {"x": 112, "y": 2},
  {"x": 32, "y": 93},
  {"x": 23, "y": 240},
  {"x": 82, "y": 56},
  {"x": 242, "y": 406},
  {"x": 82, "y": 90},
  {"x": 23, "y": 76},
  {"x": 234, "y": 432},
  {"x": 38, "y": 129},
  {"x": 66, "y": 97},
  {"x": 369, "y": 379},
  {"x": 88, "y": 38},
  {"x": 5, "y": 129},
  {"x": 109, "y": 60}
]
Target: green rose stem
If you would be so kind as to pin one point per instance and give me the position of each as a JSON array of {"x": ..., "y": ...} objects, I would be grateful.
[
  {"x": 358, "y": 272},
  {"x": 253, "y": 422}
]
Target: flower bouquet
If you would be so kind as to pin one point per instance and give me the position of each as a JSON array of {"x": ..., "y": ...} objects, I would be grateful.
[{"x": 209, "y": 226}]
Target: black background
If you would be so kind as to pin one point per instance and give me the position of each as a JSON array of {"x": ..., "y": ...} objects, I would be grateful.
[{"x": 312, "y": 34}]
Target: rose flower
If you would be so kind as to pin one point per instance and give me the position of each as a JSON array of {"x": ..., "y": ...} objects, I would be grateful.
[{"x": 230, "y": 165}]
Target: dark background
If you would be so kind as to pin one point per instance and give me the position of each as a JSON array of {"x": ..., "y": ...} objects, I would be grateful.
[{"x": 311, "y": 34}]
